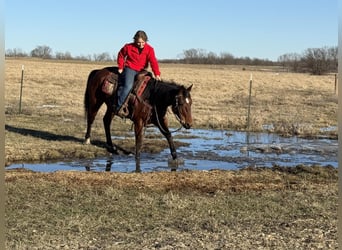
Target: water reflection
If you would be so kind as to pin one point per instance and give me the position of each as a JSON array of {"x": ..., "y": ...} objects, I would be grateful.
[{"x": 108, "y": 166}]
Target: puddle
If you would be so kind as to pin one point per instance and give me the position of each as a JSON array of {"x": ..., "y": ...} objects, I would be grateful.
[{"x": 212, "y": 149}]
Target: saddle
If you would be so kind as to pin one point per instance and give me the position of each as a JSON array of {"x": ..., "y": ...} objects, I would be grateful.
[{"x": 135, "y": 102}]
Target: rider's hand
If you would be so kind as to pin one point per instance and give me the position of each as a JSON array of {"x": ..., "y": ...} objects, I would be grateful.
[
  {"x": 158, "y": 78},
  {"x": 120, "y": 71}
]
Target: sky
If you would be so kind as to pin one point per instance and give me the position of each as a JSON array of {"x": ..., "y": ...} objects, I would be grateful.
[{"x": 263, "y": 29}]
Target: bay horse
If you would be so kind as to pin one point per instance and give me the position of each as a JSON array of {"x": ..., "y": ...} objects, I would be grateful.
[{"x": 148, "y": 108}]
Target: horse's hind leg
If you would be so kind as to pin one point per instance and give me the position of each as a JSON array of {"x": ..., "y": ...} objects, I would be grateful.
[
  {"x": 107, "y": 120},
  {"x": 90, "y": 120},
  {"x": 91, "y": 114}
]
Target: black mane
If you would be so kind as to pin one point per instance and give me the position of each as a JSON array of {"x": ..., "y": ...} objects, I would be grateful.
[{"x": 163, "y": 92}]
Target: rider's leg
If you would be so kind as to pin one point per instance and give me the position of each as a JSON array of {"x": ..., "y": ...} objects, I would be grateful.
[{"x": 125, "y": 85}]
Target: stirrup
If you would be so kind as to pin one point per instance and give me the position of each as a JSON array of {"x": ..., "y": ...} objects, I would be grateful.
[{"x": 123, "y": 111}]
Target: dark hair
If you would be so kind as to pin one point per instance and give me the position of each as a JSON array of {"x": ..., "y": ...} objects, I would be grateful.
[{"x": 140, "y": 34}]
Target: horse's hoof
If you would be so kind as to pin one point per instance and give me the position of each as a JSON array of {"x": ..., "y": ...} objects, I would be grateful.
[
  {"x": 87, "y": 141},
  {"x": 175, "y": 163},
  {"x": 112, "y": 149}
]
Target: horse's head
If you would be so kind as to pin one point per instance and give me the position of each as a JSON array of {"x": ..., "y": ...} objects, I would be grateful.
[{"x": 182, "y": 107}]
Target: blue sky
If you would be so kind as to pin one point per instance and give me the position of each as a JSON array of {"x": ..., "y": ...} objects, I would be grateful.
[{"x": 263, "y": 29}]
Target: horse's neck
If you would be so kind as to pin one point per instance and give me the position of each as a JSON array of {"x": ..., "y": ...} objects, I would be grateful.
[{"x": 165, "y": 94}]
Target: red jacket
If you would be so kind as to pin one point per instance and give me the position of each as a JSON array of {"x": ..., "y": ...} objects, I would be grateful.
[{"x": 129, "y": 57}]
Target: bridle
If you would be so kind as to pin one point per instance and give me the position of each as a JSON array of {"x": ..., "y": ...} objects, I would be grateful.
[{"x": 176, "y": 106}]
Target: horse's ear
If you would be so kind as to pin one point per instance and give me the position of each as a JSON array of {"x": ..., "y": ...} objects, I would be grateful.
[{"x": 189, "y": 89}]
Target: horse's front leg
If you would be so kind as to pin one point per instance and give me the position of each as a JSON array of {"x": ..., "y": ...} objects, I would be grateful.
[
  {"x": 174, "y": 163},
  {"x": 107, "y": 120},
  {"x": 163, "y": 127},
  {"x": 139, "y": 134}
]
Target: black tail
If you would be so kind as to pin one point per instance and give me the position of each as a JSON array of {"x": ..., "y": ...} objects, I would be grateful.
[{"x": 86, "y": 94}]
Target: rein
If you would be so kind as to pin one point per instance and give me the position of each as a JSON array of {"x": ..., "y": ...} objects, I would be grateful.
[
  {"x": 177, "y": 118},
  {"x": 161, "y": 128}
]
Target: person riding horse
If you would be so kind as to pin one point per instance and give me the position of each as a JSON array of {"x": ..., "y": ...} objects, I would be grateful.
[
  {"x": 149, "y": 105},
  {"x": 133, "y": 58}
]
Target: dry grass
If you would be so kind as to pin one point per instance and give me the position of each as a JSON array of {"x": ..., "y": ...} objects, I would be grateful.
[
  {"x": 220, "y": 93},
  {"x": 282, "y": 208}
]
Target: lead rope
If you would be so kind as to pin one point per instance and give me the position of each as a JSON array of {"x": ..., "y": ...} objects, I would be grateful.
[{"x": 159, "y": 125}]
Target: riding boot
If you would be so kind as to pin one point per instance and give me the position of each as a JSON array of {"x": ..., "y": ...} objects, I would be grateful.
[{"x": 123, "y": 111}]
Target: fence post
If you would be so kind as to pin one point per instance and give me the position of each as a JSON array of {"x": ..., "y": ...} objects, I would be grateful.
[
  {"x": 21, "y": 87},
  {"x": 249, "y": 113},
  {"x": 335, "y": 83},
  {"x": 249, "y": 103}
]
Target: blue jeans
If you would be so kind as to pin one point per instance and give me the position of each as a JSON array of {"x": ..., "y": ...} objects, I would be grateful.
[{"x": 126, "y": 80}]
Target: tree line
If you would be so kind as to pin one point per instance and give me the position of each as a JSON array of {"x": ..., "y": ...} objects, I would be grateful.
[
  {"x": 316, "y": 61},
  {"x": 45, "y": 52}
]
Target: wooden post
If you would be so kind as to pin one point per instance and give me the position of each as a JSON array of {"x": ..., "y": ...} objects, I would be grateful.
[
  {"x": 249, "y": 113},
  {"x": 335, "y": 83},
  {"x": 21, "y": 87},
  {"x": 249, "y": 103}
]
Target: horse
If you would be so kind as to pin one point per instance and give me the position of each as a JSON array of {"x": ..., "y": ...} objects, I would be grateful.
[{"x": 149, "y": 107}]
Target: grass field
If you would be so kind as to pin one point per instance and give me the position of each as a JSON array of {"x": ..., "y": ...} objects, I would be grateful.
[
  {"x": 277, "y": 208},
  {"x": 252, "y": 209},
  {"x": 52, "y": 124}
]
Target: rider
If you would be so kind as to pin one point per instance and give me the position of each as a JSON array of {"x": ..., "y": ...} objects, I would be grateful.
[{"x": 132, "y": 58}]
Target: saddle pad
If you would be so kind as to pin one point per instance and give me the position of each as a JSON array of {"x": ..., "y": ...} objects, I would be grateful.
[{"x": 142, "y": 86}]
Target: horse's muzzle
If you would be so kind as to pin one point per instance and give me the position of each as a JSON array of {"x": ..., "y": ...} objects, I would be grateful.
[{"x": 186, "y": 125}]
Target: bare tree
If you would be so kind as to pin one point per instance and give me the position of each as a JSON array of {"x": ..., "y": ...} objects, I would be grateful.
[
  {"x": 316, "y": 60},
  {"x": 190, "y": 55},
  {"x": 103, "y": 57},
  {"x": 42, "y": 51},
  {"x": 63, "y": 56},
  {"x": 333, "y": 58},
  {"x": 227, "y": 58},
  {"x": 15, "y": 53},
  {"x": 290, "y": 61}
]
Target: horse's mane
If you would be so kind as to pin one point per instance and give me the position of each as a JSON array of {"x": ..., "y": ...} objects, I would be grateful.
[
  {"x": 167, "y": 85},
  {"x": 163, "y": 91}
]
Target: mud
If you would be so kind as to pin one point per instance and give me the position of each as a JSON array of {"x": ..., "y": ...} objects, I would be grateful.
[{"x": 212, "y": 149}]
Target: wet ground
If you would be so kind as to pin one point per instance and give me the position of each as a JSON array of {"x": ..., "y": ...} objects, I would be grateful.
[{"x": 212, "y": 149}]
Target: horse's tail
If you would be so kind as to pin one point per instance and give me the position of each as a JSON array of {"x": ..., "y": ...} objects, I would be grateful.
[
  {"x": 86, "y": 102},
  {"x": 87, "y": 92}
]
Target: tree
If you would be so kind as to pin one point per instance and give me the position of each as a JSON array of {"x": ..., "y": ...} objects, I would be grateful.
[
  {"x": 42, "y": 51},
  {"x": 227, "y": 58},
  {"x": 316, "y": 60},
  {"x": 333, "y": 58},
  {"x": 63, "y": 56},
  {"x": 190, "y": 55},
  {"x": 290, "y": 61},
  {"x": 15, "y": 53},
  {"x": 103, "y": 57}
]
